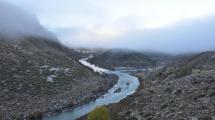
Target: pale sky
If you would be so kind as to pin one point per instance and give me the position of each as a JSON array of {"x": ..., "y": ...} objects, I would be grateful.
[{"x": 102, "y": 23}]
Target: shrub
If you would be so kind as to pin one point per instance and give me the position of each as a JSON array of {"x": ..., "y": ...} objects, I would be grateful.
[
  {"x": 211, "y": 93},
  {"x": 114, "y": 116},
  {"x": 100, "y": 113},
  {"x": 36, "y": 116},
  {"x": 185, "y": 70}
]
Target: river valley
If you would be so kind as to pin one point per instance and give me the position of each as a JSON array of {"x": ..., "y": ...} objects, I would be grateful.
[{"x": 125, "y": 86}]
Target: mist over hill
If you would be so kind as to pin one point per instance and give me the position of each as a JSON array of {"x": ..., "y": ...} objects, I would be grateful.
[
  {"x": 16, "y": 23},
  {"x": 191, "y": 36}
]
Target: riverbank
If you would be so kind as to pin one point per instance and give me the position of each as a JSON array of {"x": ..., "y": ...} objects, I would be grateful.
[
  {"x": 109, "y": 81},
  {"x": 112, "y": 107}
]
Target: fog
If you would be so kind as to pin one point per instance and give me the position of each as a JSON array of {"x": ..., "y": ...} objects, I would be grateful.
[
  {"x": 193, "y": 32},
  {"x": 16, "y": 23},
  {"x": 189, "y": 36},
  {"x": 185, "y": 37}
]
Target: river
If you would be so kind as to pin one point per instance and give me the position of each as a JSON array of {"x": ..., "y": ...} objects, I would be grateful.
[{"x": 127, "y": 84}]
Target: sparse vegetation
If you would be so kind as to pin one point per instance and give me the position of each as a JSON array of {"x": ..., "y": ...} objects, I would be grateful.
[
  {"x": 174, "y": 96},
  {"x": 100, "y": 113},
  {"x": 211, "y": 93},
  {"x": 34, "y": 72},
  {"x": 36, "y": 116},
  {"x": 115, "y": 116},
  {"x": 185, "y": 70}
]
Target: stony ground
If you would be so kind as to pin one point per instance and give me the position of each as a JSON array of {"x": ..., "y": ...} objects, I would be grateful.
[
  {"x": 38, "y": 76},
  {"x": 181, "y": 91}
]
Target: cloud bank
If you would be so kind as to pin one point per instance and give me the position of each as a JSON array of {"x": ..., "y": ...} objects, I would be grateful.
[
  {"x": 15, "y": 23},
  {"x": 172, "y": 26},
  {"x": 188, "y": 36}
]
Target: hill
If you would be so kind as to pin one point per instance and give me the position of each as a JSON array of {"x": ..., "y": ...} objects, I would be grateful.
[
  {"x": 183, "y": 90},
  {"x": 122, "y": 58},
  {"x": 39, "y": 75}
]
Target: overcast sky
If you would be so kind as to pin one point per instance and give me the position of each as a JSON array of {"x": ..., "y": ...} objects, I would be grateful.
[{"x": 139, "y": 24}]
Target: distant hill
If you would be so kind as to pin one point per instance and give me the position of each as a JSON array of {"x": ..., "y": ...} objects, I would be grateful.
[
  {"x": 163, "y": 59},
  {"x": 122, "y": 58}
]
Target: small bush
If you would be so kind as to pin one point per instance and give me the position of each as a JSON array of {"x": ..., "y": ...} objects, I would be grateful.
[
  {"x": 211, "y": 93},
  {"x": 186, "y": 70},
  {"x": 100, "y": 113},
  {"x": 36, "y": 116},
  {"x": 117, "y": 117}
]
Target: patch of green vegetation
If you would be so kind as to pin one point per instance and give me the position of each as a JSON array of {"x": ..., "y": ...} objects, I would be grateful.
[
  {"x": 81, "y": 72},
  {"x": 184, "y": 71},
  {"x": 36, "y": 116},
  {"x": 211, "y": 93},
  {"x": 100, "y": 113},
  {"x": 15, "y": 117},
  {"x": 162, "y": 74},
  {"x": 114, "y": 116}
]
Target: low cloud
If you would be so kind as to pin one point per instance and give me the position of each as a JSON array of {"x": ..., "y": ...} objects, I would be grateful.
[
  {"x": 15, "y": 23},
  {"x": 188, "y": 36},
  {"x": 194, "y": 35},
  {"x": 117, "y": 24}
]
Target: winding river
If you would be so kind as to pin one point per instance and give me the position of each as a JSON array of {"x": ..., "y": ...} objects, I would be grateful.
[{"x": 126, "y": 83}]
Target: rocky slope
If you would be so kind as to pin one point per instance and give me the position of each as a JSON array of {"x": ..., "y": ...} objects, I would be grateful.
[
  {"x": 122, "y": 58},
  {"x": 180, "y": 91},
  {"x": 38, "y": 75}
]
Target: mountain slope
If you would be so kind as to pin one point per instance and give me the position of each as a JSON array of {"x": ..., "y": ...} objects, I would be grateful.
[
  {"x": 180, "y": 91},
  {"x": 39, "y": 75}
]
